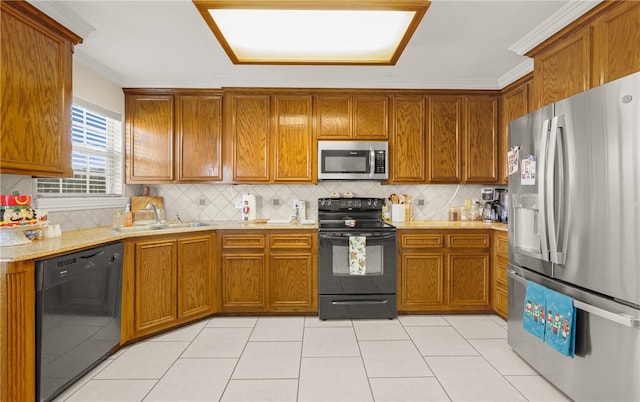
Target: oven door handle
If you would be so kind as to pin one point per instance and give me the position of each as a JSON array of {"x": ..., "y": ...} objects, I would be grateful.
[{"x": 369, "y": 237}]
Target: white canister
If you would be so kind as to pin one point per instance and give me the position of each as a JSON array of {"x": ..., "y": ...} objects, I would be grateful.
[{"x": 397, "y": 212}]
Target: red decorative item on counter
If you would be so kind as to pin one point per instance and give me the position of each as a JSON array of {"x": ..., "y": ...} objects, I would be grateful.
[
  {"x": 15, "y": 200},
  {"x": 15, "y": 210}
]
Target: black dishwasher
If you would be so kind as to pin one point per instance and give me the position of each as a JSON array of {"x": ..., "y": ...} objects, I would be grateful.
[{"x": 78, "y": 299}]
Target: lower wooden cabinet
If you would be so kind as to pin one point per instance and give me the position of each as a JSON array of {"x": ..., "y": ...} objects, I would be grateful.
[
  {"x": 441, "y": 271},
  {"x": 269, "y": 271},
  {"x": 167, "y": 280},
  {"x": 500, "y": 281}
]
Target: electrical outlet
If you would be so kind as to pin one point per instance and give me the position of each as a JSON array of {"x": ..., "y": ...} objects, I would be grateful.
[
  {"x": 420, "y": 202},
  {"x": 238, "y": 203}
]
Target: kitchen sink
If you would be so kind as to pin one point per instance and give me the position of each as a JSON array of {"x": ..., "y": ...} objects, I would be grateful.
[{"x": 163, "y": 226}]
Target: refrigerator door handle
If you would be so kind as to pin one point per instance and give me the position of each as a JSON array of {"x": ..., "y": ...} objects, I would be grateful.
[
  {"x": 621, "y": 319},
  {"x": 542, "y": 180},
  {"x": 550, "y": 206}
]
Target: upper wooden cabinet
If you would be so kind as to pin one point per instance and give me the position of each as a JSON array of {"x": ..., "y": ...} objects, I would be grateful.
[
  {"x": 294, "y": 156},
  {"x": 563, "y": 70},
  {"x": 445, "y": 139},
  {"x": 346, "y": 117},
  {"x": 199, "y": 137},
  {"x": 248, "y": 130},
  {"x": 481, "y": 139},
  {"x": 35, "y": 76},
  {"x": 408, "y": 145},
  {"x": 616, "y": 43},
  {"x": 270, "y": 137},
  {"x": 173, "y": 136},
  {"x": 515, "y": 103}
]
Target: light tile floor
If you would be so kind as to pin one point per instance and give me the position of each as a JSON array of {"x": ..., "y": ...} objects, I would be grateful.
[{"x": 412, "y": 358}]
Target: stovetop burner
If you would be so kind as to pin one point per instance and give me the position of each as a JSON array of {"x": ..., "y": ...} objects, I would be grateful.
[{"x": 351, "y": 214}]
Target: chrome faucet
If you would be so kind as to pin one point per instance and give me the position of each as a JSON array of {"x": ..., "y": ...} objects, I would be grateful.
[{"x": 156, "y": 211}]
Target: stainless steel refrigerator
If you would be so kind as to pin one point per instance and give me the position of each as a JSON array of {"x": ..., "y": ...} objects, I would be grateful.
[{"x": 574, "y": 228}]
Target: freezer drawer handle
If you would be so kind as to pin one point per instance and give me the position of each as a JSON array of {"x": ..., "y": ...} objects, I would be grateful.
[{"x": 622, "y": 319}]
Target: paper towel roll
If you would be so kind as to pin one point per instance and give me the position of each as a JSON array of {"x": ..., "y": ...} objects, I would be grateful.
[{"x": 250, "y": 200}]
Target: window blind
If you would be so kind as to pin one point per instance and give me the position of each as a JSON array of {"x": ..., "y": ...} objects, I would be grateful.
[{"x": 96, "y": 157}]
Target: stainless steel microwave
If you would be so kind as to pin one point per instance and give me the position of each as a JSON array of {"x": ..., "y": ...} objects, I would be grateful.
[{"x": 353, "y": 160}]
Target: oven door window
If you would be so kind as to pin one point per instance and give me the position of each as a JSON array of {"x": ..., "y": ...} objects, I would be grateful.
[{"x": 374, "y": 259}]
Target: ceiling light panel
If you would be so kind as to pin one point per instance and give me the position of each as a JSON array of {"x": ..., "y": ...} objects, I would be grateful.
[{"x": 313, "y": 32}]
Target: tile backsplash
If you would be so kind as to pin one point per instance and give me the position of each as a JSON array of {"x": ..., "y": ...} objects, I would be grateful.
[{"x": 275, "y": 201}]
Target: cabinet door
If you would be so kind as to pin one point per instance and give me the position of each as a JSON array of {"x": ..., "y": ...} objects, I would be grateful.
[
  {"x": 370, "y": 118},
  {"x": 249, "y": 138},
  {"x": 195, "y": 276},
  {"x": 617, "y": 43},
  {"x": 333, "y": 114},
  {"x": 564, "y": 69},
  {"x": 409, "y": 141},
  {"x": 293, "y": 143},
  {"x": 515, "y": 103},
  {"x": 35, "y": 76},
  {"x": 481, "y": 140},
  {"x": 199, "y": 137},
  {"x": 421, "y": 281},
  {"x": 468, "y": 281},
  {"x": 149, "y": 131},
  {"x": 155, "y": 285},
  {"x": 293, "y": 285},
  {"x": 243, "y": 286},
  {"x": 445, "y": 139}
]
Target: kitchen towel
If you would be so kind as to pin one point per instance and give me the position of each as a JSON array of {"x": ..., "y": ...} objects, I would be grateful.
[
  {"x": 561, "y": 320},
  {"x": 357, "y": 255},
  {"x": 534, "y": 308}
]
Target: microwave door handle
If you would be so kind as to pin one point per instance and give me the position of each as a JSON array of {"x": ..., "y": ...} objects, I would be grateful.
[
  {"x": 542, "y": 210},
  {"x": 372, "y": 161}
]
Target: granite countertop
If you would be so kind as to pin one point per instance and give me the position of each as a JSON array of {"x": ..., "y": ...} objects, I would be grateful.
[
  {"x": 79, "y": 239},
  {"x": 84, "y": 238},
  {"x": 450, "y": 225}
]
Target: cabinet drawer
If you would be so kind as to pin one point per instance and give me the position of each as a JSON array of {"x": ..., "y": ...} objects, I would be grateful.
[
  {"x": 500, "y": 273},
  {"x": 243, "y": 241},
  {"x": 421, "y": 241},
  {"x": 468, "y": 240},
  {"x": 289, "y": 241},
  {"x": 502, "y": 246}
]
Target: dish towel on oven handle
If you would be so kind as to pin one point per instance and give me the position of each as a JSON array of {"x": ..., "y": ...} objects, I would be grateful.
[{"x": 357, "y": 255}]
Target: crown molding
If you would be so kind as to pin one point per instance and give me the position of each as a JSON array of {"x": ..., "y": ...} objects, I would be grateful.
[
  {"x": 516, "y": 73},
  {"x": 66, "y": 17},
  {"x": 80, "y": 57},
  {"x": 558, "y": 20}
]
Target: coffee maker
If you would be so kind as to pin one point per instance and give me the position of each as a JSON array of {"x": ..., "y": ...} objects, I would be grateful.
[{"x": 495, "y": 208}]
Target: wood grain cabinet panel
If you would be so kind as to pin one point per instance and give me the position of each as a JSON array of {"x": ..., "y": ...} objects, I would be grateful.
[
  {"x": 469, "y": 281},
  {"x": 168, "y": 280},
  {"x": 249, "y": 133},
  {"x": 155, "y": 285},
  {"x": 445, "y": 139},
  {"x": 421, "y": 279},
  {"x": 17, "y": 331},
  {"x": 347, "y": 116},
  {"x": 275, "y": 272},
  {"x": 564, "y": 69},
  {"x": 36, "y": 82},
  {"x": 515, "y": 103},
  {"x": 408, "y": 140},
  {"x": 293, "y": 140},
  {"x": 149, "y": 138},
  {"x": 243, "y": 283},
  {"x": 481, "y": 140},
  {"x": 444, "y": 271},
  {"x": 199, "y": 137},
  {"x": 500, "y": 281},
  {"x": 617, "y": 43}
]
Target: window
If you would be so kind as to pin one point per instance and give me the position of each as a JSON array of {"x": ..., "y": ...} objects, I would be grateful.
[{"x": 96, "y": 159}]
